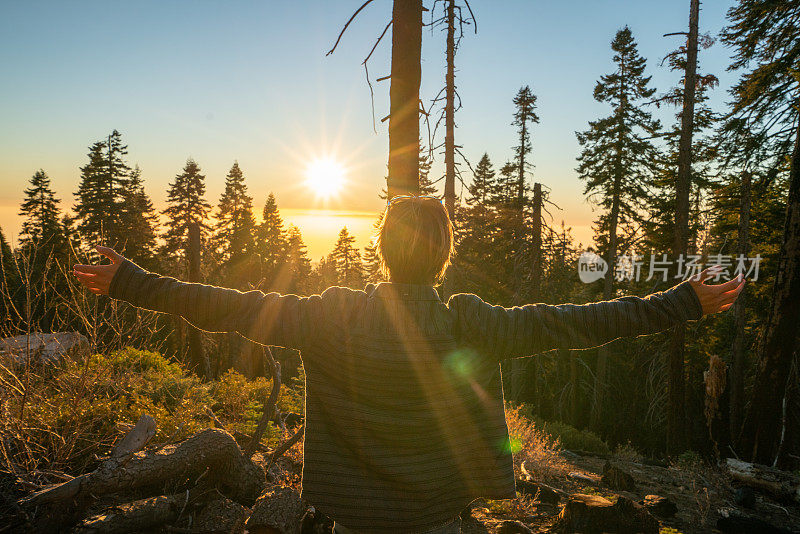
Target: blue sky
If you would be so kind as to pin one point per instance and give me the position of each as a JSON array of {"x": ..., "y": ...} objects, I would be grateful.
[{"x": 249, "y": 81}]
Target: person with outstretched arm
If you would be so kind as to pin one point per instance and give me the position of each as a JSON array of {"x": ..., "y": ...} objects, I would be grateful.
[{"x": 404, "y": 414}]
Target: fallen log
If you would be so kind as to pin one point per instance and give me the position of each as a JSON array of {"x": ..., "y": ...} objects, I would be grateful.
[
  {"x": 137, "y": 516},
  {"x": 143, "y": 431},
  {"x": 212, "y": 449},
  {"x": 781, "y": 485}
]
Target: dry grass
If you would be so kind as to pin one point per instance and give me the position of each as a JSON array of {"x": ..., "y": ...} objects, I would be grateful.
[{"x": 530, "y": 444}]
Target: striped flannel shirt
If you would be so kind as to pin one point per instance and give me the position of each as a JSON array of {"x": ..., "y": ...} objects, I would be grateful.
[{"x": 405, "y": 423}]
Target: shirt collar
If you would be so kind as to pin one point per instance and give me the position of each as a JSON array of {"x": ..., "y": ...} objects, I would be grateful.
[{"x": 394, "y": 291}]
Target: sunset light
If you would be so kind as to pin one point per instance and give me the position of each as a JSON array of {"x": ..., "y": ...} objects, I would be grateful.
[{"x": 325, "y": 176}]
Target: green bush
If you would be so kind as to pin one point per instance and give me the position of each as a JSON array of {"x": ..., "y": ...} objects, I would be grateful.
[
  {"x": 572, "y": 438},
  {"x": 568, "y": 436},
  {"x": 78, "y": 411}
]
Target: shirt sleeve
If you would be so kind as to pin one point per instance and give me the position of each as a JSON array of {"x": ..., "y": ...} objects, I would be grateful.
[
  {"x": 535, "y": 328},
  {"x": 266, "y": 318}
]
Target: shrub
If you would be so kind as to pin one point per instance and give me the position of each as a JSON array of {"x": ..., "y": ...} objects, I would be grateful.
[
  {"x": 530, "y": 444},
  {"x": 572, "y": 438},
  {"x": 76, "y": 412}
]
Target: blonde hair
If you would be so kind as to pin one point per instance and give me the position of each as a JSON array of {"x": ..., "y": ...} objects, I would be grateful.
[{"x": 415, "y": 240}]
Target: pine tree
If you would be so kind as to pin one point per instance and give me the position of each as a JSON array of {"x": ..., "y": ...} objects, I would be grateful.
[
  {"x": 234, "y": 237},
  {"x": 299, "y": 266},
  {"x": 41, "y": 228},
  {"x": 100, "y": 196},
  {"x": 524, "y": 117},
  {"x": 479, "y": 244},
  {"x": 271, "y": 240},
  {"x": 617, "y": 158},
  {"x": 617, "y": 164},
  {"x": 347, "y": 261},
  {"x": 324, "y": 274},
  {"x": 426, "y": 186},
  {"x": 372, "y": 264},
  {"x": 371, "y": 259},
  {"x": 9, "y": 287},
  {"x": 766, "y": 38},
  {"x": 186, "y": 205},
  {"x": 140, "y": 221}
]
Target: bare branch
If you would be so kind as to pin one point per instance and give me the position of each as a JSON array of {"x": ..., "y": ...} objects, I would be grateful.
[{"x": 365, "y": 4}]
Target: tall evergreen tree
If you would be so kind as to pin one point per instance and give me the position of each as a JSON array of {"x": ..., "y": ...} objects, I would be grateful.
[
  {"x": 524, "y": 117},
  {"x": 140, "y": 221},
  {"x": 186, "y": 205},
  {"x": 616, "y": 163},
  {"x": 271, "y": 240},
  {"x": 298, "y": 264},
  {"x": 101, "y": 194},
  {"x": 347, "y": 261},
  {"x": 9, "y": 288},
  {"x": 42, "y": 227},
  {"x": 617, "y": 158},
  {"x": 371, "y": 259},
  {"x": 426, "y": 186},
  {"x": 44, "y": 246},
  {"x": 234, "y": 237},
  {"x": 765, "y": 36},
  {"x": 480, "y": 244}
]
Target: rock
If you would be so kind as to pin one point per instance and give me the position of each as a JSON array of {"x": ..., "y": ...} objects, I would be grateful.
[
  {"x": 659, "y": 506},
  {"x": 745, "y": 497},
  {"x": 513, "y": 527},
  {"x": 43, "y": 348},
  {"x": 222, "y": 515},
  {"x": 617, "y": 479},
  {"x": 280, "y": 508},
  {"x": 540, "y": 492},
  {"x": 583, "y": 478},
  {"x": 569, "y": 455},
  {"x": 590, "y": 514}
]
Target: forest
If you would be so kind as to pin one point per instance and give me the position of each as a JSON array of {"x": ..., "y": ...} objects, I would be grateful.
[{"x": 94, "y": 393}]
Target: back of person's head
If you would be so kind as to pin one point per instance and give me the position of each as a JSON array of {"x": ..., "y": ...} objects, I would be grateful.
[{"x": 415, "y": 240}]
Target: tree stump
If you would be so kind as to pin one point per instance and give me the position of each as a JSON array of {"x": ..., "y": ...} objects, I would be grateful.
[
  {"x": 280, "y": 510},
  {"x": 590, "y": 514}
]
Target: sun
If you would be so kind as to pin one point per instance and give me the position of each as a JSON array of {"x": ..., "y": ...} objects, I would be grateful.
[{"x": 325, "y": 176}]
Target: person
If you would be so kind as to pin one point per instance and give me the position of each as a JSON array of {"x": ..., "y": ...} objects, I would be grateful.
[{"x": 405, "y": 423}]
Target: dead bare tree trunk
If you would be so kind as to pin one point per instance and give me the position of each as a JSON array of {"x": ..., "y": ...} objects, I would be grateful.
[
  {"x": 449, "y": 111},
  {"x": 197, "y": 361},
  {"x": 406, "y": 74},
  {"x": 737, "y": 348},
  {"x": 536, "y": 243},
  {"x": 780, "y": 340},
  {"x": 676, "y": 417}
]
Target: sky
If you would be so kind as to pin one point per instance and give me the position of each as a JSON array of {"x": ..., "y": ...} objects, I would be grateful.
[{"x": 249, "y": 81}]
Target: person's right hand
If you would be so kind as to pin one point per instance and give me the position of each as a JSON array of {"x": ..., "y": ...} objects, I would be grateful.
[
  {"x": 97, "y": 278},
  {"x": 716, "y": 298}
]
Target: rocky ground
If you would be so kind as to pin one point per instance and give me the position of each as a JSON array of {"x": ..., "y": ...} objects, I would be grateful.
[{"x": 693, "y": 499}]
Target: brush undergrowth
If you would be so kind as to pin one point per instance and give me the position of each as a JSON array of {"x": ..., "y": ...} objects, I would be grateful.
[{"x": 64, "y": 418}]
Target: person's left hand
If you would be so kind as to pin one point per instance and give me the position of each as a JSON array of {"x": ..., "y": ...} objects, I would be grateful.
[
  {"x": 719, "y": 297},
  {"x": 97, "y": 278}
]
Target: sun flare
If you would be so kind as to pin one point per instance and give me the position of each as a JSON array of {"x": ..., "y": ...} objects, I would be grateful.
[{"x": 325, "y": 176}]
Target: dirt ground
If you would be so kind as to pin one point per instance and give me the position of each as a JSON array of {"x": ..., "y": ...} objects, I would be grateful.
[{"x": 702, "y": 495}]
